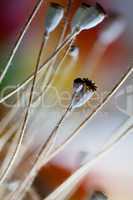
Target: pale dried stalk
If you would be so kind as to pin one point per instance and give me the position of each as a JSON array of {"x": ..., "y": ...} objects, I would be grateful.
[
  {"x": 47, "y": 148},
  {"x": 75, "y": 179},
  {"x": 12, "y": 113},
  {"x": 41, "y": 161},
  {"x": 33, "y": 194},
  {"x": 9, "y": 134},
  {"x": 45, "y": 64},
  {"x": 22, "y": 34},
  {"x": 54, "y": 68},
  {"x": 13, "y": 156},
  {"x": 62, "y": 36},
  {"x": 52, "y": 75},
  {"x": 66, "y": 72}
]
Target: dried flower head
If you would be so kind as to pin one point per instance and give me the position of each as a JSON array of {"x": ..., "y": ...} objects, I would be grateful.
[
  {"x": 83, "y": 90},
  {"x": 90, "y": 84},
  {"x": 78, "y": 85},
  {"x": 54, "y": 15},
  {"x": 74, "y": 51},
  {"x": 87, "y": 17},
  {"x": 98, "y": 196},
  {"x": 113, "y": 28}
]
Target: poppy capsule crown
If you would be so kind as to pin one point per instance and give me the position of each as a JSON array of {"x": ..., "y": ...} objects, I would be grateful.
[
  {"x": 54, "y": 15},
  {"x": 90, "y": 85},
  {"x": 84, "y": 90},
  {"x": 74, "y": 51},
  {"x": 87, "y": 17},
  {"x": 114, "y": 27}
]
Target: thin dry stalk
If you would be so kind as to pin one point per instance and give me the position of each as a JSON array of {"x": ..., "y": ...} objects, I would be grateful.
[
  {"x": 75, "y": 179},
  {"x": 9, "y": 134},
  {"x": 22, "y": 34},
  {"x": 51, "y": 74},
  {"x": 54, "y": 68},
  {"x": 45, "y": 64},
  {"x": 67, "y": 71},
  {"x": 25, "y": 121},
  {"x": 41, "y": 161},
  {"x": 33, "y": 194}
]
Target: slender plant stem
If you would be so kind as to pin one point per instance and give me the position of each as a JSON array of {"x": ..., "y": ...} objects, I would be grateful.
[
  {"x": 48, "y": 60},
  {"x": 47, "y": 148},
  {"x": 18, "y": 42},
  {"x": 52, "y": 78},
  {"x": 40, "y": 158},
  {"x": 54, "y": 66},
  {"x": 74, "y": 180},
  {"x": 92, "y": 115},
  {"x": 33, "y": 194},
  {"x": 26, "y": 117},
  {"x": 99, "y": 107}
]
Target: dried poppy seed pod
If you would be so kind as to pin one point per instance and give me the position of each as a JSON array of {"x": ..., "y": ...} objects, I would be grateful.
[
  {"x": 87, "y": 17},
  {"x": 74, "y": 51},
  {"x": 98, "y": 196},
  {"x": 112, "y": 30},
  {"x": 84, "y": 95},
  {"x": 78, "y": 85},
  {"x": 54, "y": 15}
]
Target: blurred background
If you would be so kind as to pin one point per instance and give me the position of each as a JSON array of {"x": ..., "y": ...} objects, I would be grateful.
[{"x": 113, "y": 175}]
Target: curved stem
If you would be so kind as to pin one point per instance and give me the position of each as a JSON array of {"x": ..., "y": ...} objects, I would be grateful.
[
  {"x": 30, "y": 78},
  {"x": 22, "y": 34},
  {"x": 5, "y": 172},
  {"x": 74, "y": 180},
  {"x": 40, "y": 158},
  {"x": 52, "y": 78}
]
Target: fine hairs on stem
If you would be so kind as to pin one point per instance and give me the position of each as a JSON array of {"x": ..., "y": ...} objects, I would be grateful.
[
  {"x": 42, "y": 161},
  {"x": 22, "y": 34}
]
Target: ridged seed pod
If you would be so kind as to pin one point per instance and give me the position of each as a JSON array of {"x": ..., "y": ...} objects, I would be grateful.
[
  {"x": 54, "y": 16},
  {"x": 87, "y": 17}
]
